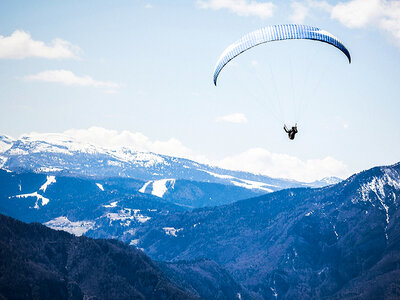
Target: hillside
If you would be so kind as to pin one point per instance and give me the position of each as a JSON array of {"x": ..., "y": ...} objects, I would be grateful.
[{"x": 40, "y": 263}]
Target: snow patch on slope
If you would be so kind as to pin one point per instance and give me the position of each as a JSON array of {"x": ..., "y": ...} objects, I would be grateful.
[
  {"x": 143, "y": 189},
  {"x": 126, "y": 215},
  {"x": 76, "y": 228},
  {"x": 100, "y": 186},
  {"x": 134, "y": 242},
  {"x": 171, "y": 231},
  {"x": 249, "y": 184},
  {"x": 159, "y": 187},
  {"x": 49, "y": 181},
  {"x": 112, "y": 204},
  {"x": 218, "y": 175},
  {"x": 34, "y": 195}
]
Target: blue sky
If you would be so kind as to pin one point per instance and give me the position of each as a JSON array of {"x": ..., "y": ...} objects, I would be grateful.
[{"x": 139, "y": 73}]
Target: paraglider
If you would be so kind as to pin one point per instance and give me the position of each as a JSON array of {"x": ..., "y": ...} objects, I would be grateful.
[
  {"x": 277, "y": 33},
  {"x": 291, "y": 132}
]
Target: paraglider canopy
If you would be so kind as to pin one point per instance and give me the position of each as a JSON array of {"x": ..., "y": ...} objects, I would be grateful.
[{"x": 277, "y": 33}]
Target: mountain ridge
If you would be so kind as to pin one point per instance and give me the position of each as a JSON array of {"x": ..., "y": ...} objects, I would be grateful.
[{"x": 60, "y": 154}]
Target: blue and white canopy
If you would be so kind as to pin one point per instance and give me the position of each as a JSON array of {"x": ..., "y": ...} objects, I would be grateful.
[{"x": 277, "y": 33}]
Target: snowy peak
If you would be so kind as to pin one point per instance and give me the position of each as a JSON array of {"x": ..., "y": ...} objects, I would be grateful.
[
  {"x": 5, "y": 143},
  {"x": 59, "y": 143},
  {"x": 325, "y": 181},
  {"x": 379, "y": 188},
  {"x": 379, "y": 183},
  {"x": 331, "y": 180}
]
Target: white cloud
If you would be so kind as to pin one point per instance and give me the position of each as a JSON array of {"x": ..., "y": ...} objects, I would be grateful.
[
  {"x": 20, "y": 45},
  {"x": 148, "y": 5},
  {"x": 237, "y": 118},
  {"x": 300, "y": 12},
  {"x": 68, "y": 78},
  {"x": 261, "y": 161},
  {"x": 357, "y": 13},
  {"x": 240, "y": 7},
  {"x": 381, "y": 14}
]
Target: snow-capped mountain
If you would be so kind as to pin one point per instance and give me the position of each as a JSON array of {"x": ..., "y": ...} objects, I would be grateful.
[
  {"x": 59, "y": 154},
  {"x": 325, "y": 181}
]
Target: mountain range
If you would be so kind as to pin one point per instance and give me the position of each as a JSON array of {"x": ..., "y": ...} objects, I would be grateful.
[
  {"x": 61, "y": 154},
  {"x": 337, "y": 242},
  {"x": 215, "y": 234}
]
